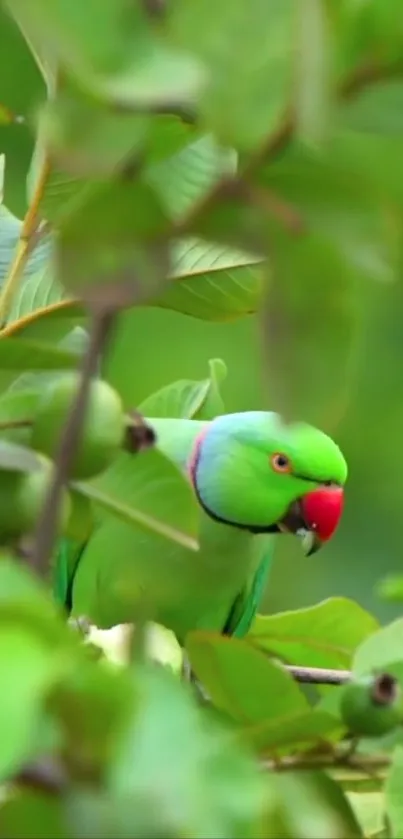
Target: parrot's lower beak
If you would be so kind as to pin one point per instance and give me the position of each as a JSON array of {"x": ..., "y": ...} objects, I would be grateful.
[
  {"x": 294, "y": 522},
  {"x": 311, "y": 543}
]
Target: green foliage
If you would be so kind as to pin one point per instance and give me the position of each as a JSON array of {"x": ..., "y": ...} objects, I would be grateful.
[{"x": 197, "y": 163}]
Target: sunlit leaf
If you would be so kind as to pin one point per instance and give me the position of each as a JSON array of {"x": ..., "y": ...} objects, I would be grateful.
[
  {"x": 188, "y": 399},
  {"x": 324, "y": 635},
  {"x": 241, "y": 680}
]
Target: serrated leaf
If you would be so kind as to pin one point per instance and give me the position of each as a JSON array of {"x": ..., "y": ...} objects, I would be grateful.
[
  {"x": 393, "y": 794},
  {"x": 242, "y": 681},
  {"x": 380, "y": 649},
  {"x": 324, "y": 635}
]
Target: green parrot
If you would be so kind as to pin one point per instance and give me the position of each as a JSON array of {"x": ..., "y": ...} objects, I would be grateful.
[{"x": 254, "y": 478}]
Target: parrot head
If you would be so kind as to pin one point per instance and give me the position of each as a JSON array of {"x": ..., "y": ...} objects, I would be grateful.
[{"x": 255, "y": 472}]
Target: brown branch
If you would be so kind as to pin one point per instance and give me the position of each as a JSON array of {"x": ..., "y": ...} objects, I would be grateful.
[
  {"x": 318, "y": 675},
  {"x": 367, "y": 763},
  {"x": 46, "y": 531},
  {"x": 45, "y": 775}
]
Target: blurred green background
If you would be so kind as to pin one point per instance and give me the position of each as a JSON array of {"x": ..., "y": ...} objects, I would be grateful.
[{"x": 159, "y": 346}]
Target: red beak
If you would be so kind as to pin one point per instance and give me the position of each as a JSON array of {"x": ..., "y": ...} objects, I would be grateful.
[{"x": 322, "y": 510}]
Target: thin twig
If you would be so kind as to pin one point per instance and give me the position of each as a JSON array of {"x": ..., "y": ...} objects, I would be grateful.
[
  {"x": 318, "y": 675},
  {"x": 28, "y": 240},
  {"x": 46, "y": 531},
  {"x": 367, "y": 763}
]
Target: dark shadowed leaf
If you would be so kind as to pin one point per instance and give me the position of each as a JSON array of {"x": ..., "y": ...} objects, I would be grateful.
[
  {"x": 248, "y": 53},
  {"x": 341, "y": 209},
  {"x": 33, "y": 814},
  {"x": 241, "y": 680},
  {"x": 295, "y": 732},
  {"x": 108, "y": 247},
  {"x": 325, "y": 635},
  {"x": 309, "y": 325}
]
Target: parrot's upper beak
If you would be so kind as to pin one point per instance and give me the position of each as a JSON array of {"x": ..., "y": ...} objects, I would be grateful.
[{"x": 314, "y": 518}]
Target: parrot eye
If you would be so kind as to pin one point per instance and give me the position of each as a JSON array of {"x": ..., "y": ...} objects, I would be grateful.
[{"x": 280, "y": 462}]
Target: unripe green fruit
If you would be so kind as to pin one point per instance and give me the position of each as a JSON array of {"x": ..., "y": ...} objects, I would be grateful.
[
  {"x": 22, "y": 496},
  {"x": 102, "y": 431},
  {"x": 372, "y": 705}
]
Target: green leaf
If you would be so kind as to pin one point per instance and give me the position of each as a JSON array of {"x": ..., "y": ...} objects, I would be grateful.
[
  {"x": 241, "y": 680},
  {"x": 377, "y": 110},
  {"x": 315, "y": 806},
  {"x": 189, "y": 175},
  {"x": 248, "y": 53},
  {"x": 18, "y": 458},
  {"x": 324, "y": 635},
  {"x": 213, "y": 282},
  {"x": 314, "y": 69},
  {"x": 393, "y": 794},
  {"x": 187, "y": 399},
  {"x": 391, "y": 588},
  {"x": 369, "y": 808},
  {"x": 295, "y": 732},
  {"x": 24, "y": 598},
  {"x": 380, "y": 649},
  {"x": 110, "y": 243},
  {"x": 149, "y": 491},
  {"x": 213, "y": 788},
  {"x": 340, "y": 207},
  {"x": 132, "y": 516},
  {"x": 29, "y": 669},
  {"x": 33, "y": 814},
  {"x": 23, "y": 354},
  {"x": 18, "y": 405},
  {"x": 302, "y": 337}
]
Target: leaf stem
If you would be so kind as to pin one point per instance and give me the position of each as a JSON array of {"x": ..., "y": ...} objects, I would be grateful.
[
  {"x": 100, "y": 328},
  {"x": 27, "y": 240}
]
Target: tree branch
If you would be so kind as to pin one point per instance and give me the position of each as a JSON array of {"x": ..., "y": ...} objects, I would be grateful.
[
  {"x": 368, "y": 763},
  {"x": 46, "y": 531},
  {"x": 318, "y": 675}
]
